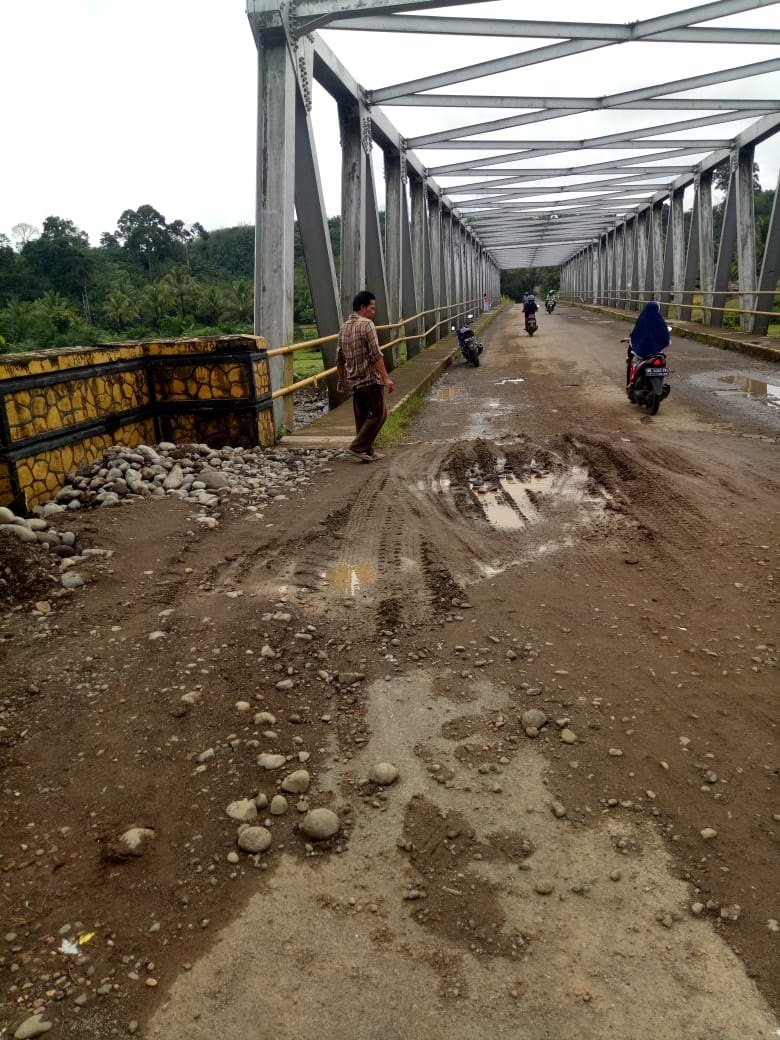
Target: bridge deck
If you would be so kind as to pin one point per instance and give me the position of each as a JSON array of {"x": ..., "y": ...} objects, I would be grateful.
[{"x": 336, "y": 428}]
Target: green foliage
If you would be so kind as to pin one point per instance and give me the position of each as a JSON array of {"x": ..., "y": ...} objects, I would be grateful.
[{"x": 538, "y": 280}]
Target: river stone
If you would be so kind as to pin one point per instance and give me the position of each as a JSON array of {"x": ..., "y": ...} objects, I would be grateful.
[
  {"x": 24, "y": 534},
  {"x": 36, "y": 1025},
  {"x": 71, "y": 580},
  {"x": 278, "y": 805},
  {"x": 6, "y": 516},
  {"x": 268, "y": 761},
  {"x": 254, "y": 839},
  {"x": 320, "y": 824},
  {"x": 383, "y": 773},
  {"x": 297, "y": 782},
  {"x": 244, "y": 810},
  {"x": 135, "y": 840},
  {"x": 534, "y": 717}
]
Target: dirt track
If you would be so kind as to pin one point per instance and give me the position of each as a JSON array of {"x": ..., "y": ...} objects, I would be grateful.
[{"x": 536, "y": 544}]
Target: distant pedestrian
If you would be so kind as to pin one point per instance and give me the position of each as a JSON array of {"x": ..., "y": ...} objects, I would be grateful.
[
  {"x": 361, "y": 369},
  {"x": 485, "y": 302}
]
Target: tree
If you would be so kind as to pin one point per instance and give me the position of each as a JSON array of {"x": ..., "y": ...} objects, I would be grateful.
[
  {"x": 209, "y": 304},
  {"x": 60, "y": 259},
  {"x": 144, "y": 233},
  {"x": 241, "y": 304},
  {"x": 55, "y": 309},
  {"x": 24, "y": 233},
  {"x": 155, "y": 301},
  {"x": 721, "y": 176},
  {"x": 119, "y": 309},
  {"x": 179, "y": 284}
]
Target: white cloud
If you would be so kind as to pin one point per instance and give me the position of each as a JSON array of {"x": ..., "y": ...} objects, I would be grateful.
[{"x": 116, "y": 105}]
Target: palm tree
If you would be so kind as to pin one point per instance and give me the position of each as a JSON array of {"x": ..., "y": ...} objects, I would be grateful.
[
  {"x": 209, "y": 303},
  {"x": 55, "y": 309},
  {"x": 119, "y": 309},
  {"x": 242, "y": 299},
  {"x": 155, "y": 301},
  {"x": 179, "y": 282},
  {"x": 18, "y": 320}
]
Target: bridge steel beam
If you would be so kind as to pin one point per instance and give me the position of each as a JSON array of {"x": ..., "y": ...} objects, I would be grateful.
[
  {"x": 770, "y": 267},
  {"x": 275, "y": 206}
]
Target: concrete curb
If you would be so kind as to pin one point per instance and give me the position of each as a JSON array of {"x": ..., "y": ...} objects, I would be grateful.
[{"x": 685, "y": 330}]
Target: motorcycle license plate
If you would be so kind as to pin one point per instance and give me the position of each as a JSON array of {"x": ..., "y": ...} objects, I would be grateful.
[{"x": 658, "y": 372}]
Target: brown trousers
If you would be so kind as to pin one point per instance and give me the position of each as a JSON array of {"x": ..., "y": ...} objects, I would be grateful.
[{"x": 368, "y": 403}]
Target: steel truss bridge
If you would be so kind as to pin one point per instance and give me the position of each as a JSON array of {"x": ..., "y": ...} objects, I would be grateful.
[{"x": 468, "y": 198}]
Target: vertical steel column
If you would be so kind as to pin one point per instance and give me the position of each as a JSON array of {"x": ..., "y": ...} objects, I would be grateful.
[
  {"x": 692, "y": 257},
  {"x": 634, "y": 293},
  {"x": 422, "y": 251},
  {"x": 353, "y": 201},
  {"x": 315, "y": 240},
  {"x": 706, "y": 245},
  {"x": 674, "y": 273},
  {"x": 408, "y": 275},
  {"x": 620, "y": 299},
  {"x": 657, "y": 251},
  {"x": 770, "y": 267},
  {"x": 434, "y": 235},
  {"x": 275, "y": 203},
  {"x": 393, "y": 234},
  {"x": 642, "y": 249},
  {"x": 728, "y": 238},
  {"x": 376, "y": 279},
  {"x": 746, "y": 236}
]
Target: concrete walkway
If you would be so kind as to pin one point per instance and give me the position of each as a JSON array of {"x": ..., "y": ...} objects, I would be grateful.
[{"x": 336, "y": 428}]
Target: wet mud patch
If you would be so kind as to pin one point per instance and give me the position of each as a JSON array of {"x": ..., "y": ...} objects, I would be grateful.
[{"x": 452, "y": 899}]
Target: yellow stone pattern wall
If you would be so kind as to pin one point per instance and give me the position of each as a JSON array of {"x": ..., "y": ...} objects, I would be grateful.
[
  {"x": 46, "y": 409},
  {"x": 262, "y": 376},
  {"x": 266, "y": 429},
  {"x": 77, "y": 398},
  {"x": 6, "y": 487},
  {"x": 210, "y": 380},
  {"x": 42, "y": 475}
]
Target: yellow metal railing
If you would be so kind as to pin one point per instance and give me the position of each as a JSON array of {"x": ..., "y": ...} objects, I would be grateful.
[{"x": 290, "y": 385}]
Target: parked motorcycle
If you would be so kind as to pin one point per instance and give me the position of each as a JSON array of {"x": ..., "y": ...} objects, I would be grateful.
[
  {"x": 470, "y": 346},
  {"x": 530, "y": 324},
  {"x": 646, "y": 385}
]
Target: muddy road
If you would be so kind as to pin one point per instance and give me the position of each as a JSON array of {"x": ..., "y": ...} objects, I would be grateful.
[{"x": 554, "y": 616}]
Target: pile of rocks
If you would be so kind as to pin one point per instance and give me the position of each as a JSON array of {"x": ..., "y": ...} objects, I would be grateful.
[
  {"x": 36, "y": 530},
  {"x": 194, "y": 472}
]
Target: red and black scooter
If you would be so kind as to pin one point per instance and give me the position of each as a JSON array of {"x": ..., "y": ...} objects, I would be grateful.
[{"x": 646, "y": 381}]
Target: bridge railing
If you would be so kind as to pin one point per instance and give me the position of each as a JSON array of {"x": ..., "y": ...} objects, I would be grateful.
[
  {"x": 290, "y": 385},
  {"x": 682, "y": 301}
]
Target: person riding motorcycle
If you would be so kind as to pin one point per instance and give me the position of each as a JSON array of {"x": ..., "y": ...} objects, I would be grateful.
[
  {"x": 530, "y": 306},
  {"x": 650, "y": 335}
]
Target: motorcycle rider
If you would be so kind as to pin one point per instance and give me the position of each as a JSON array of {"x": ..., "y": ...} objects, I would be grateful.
[
  {"x": 530, "y": 306},
  {"x": 550, "y": 300},
  {"x": 650, "y": 335}
]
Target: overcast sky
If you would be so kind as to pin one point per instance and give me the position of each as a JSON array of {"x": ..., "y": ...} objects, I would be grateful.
[{"x": 110, "y": 105}]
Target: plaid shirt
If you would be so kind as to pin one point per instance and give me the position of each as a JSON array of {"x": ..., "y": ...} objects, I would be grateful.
[{"x": 359, "y": 352}]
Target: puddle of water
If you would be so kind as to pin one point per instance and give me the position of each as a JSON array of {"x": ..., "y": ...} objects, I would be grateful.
[
  {"x": 348, "y": 578},
  {"x": 499, "y": 512},
  {"x": 445, "y": 393},
  {"x": 769, "y": 393}
]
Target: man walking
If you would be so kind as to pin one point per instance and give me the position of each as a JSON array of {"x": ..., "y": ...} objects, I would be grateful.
[{"x": 361, "y": 369}]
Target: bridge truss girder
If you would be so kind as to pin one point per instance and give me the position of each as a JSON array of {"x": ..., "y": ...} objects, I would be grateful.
[{"x": 592, "y": 206}]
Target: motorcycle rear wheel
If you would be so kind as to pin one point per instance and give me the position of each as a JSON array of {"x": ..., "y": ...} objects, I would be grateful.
[{"x": 652, "y": 402}]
